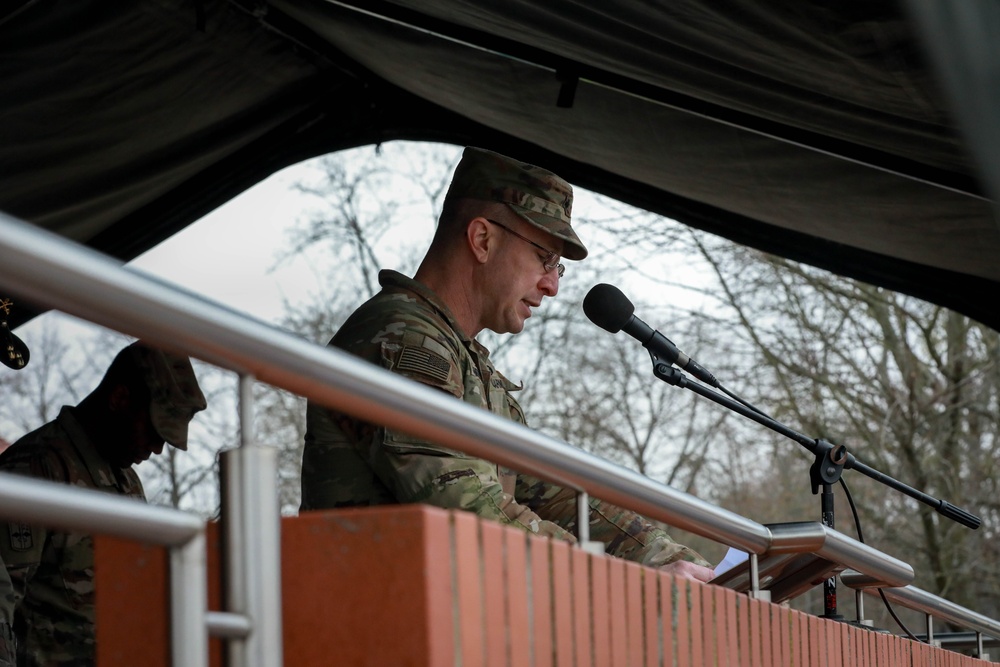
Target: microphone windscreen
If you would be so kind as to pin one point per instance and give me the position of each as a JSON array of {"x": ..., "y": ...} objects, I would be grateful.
[{"x": 607, "y": 307}]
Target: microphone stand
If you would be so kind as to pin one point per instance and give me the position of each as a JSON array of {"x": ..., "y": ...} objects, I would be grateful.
[{"x": 829, "y": 463}]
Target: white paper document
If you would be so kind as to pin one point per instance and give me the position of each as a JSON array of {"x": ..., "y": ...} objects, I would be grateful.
[{"x": 732, "y": 558}]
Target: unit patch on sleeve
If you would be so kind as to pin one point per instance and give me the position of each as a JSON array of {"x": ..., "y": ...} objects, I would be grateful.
[{"x": 20, "y": 536}]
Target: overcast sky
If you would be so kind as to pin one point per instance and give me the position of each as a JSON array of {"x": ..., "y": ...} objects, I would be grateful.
[
  {"x": 231, "y": 255},
  {"x": 228, "y": 255}
]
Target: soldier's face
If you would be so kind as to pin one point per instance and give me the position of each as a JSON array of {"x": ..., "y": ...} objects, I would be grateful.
[
  {"x": 134, "y": 437},
  {"x": 519, "y": 280},
  {"x": 145, "y": 441}
]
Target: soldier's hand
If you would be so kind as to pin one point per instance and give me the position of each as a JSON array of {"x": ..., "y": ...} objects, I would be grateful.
[{"x": 688, "y": 570}]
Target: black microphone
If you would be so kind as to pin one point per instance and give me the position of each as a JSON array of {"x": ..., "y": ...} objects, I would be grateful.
[{"x": 611, "y": 310}]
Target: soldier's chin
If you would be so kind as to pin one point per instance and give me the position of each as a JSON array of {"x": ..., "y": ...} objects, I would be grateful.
[
  {"x": 512, "y": 328},
  {"x": 123, "y": 459},
  {"x": 517, "y": 326}
]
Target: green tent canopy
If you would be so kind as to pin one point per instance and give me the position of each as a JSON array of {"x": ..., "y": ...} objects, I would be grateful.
[{"x": 856, "y": 136}]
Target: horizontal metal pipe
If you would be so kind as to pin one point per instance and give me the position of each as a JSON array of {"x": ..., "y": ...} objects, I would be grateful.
[
  {"x": 912, "y": 597},
  {"x": 796, "y": 537},
  {"x": 66, "y": 507},
  {"x": 227, "y": 625},
  {"x": 957, "y": 641},
  {"x": 51, "y": 271},
  {"x": 57, "y": 273},
  {"x": 839, "y": 548}
]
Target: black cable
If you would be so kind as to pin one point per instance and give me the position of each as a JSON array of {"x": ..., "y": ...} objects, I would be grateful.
[{"x": 861, "y": 538}]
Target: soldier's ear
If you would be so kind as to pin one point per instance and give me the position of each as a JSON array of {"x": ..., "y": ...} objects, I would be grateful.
[
  {"x": 481, "y": 239},
  {"x": 119, "y": 399}
]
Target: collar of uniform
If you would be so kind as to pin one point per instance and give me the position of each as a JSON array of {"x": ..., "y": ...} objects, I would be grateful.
[
  {"x": 100, "y": 470},
  {"x": 388, "y": 278}
]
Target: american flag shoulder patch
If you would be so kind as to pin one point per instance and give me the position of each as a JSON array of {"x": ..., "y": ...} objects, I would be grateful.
[{"x": 424, "y": 362}]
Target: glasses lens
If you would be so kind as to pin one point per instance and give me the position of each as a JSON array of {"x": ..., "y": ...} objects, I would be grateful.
[{"x": 548, "y": 263}]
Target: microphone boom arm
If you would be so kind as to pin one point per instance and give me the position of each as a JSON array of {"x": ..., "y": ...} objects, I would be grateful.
[{"x": 827, "y": 454}]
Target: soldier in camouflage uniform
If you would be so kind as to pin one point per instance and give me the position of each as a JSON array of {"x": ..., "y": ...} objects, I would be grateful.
[
  {"x": 494, "y": 257},
  {"x": 145, "y": 398},
  {"x": 7, "y": 645}
]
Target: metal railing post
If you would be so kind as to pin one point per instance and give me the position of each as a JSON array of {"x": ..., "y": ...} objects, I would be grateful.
[
  {"x": 583, "y": 517},
  {"x": 755, "y": 590},
  {"x": 189, "y": 603},
  {"x": 65, "y": 507},
  {"x": 252, "y": 528}
]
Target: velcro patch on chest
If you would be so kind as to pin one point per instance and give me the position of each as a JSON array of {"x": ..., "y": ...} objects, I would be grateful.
[{"x": 421, "y": 361}]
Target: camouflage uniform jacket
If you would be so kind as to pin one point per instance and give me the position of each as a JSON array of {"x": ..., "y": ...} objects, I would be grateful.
[
  {"x": 52, "y": 572},
  {"x": 408, "y": 330},
  {"x": 8, "y": 653}
]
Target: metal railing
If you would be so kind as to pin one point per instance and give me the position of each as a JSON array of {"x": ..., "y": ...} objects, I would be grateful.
[
  {"x": 71, "y": 508},
  {"x": 986, "y": 629},
  {"x": 52, "y": 272}
]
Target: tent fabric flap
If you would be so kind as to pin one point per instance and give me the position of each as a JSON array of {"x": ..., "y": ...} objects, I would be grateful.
[{"x": 817, "y": 131}]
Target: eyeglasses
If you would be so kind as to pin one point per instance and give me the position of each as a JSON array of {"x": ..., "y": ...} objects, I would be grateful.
[{"x": 551, "y": 260}]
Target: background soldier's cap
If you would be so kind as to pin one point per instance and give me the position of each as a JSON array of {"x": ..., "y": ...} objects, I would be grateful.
[
  {"x": 175, "y": 396},
  {"x": 535, "y": 194}
]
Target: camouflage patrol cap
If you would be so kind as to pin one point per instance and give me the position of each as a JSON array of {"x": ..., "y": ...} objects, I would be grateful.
[
  {"x": 536, "y": 195},
  {"x": 175, "y": 396}
]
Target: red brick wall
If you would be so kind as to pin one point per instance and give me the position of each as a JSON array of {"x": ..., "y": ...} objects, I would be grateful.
[{"x": 423, "y": 587}]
